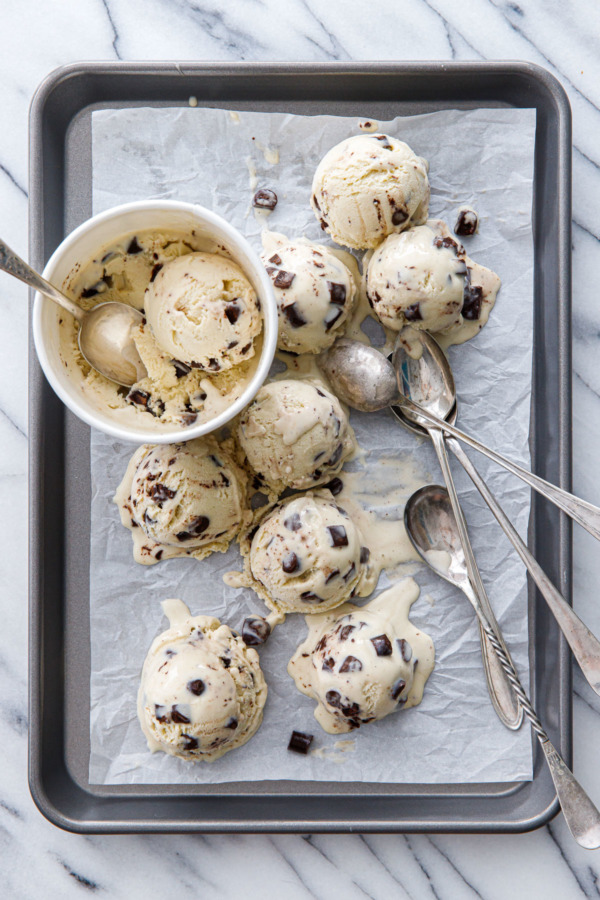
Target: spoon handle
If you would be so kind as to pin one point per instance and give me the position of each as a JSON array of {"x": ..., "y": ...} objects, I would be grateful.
[
  {"x": 586, "y": 514},
  {"x": 581, "y": 815},
  {"x": 13, "y": 265},
  {"x": 585, "y": 646},
  {"x": 501, "y": 693}
]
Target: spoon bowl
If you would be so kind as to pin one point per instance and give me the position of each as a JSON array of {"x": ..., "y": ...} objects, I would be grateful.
[{"x": 360, "y": 375}]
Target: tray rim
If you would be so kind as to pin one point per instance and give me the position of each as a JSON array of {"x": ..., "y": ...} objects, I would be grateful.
[{"x": 557, "y": 94}]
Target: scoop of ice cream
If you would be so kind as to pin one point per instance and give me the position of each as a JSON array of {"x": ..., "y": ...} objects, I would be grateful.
[
  {"x": 363, "y": 663},
  {"x": 295, "y": 434},
  {"x": 182, "y": 500},
  {"x": 368, "y": 187},
  {"x": 203, "y": 311},
  {"x": 314, "y": 291},
  {"x": 418, "y": 277},
  {"x": 308, "y": 556},
  {"x": 202, "y": 691}
]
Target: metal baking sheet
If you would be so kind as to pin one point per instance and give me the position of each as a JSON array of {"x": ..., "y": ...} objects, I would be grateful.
[{"x": 60, "y": 191}]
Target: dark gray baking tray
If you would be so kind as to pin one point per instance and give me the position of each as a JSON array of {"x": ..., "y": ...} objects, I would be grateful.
[{"x": 60, "y": 181}]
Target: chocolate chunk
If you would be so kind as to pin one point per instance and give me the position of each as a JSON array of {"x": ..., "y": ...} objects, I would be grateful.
[
  {"x": 346, "y": 631},
  {"x": 139, "y": 398},
  {"x": 226, "y": 662},
  {"x": 290, "y": 563},
  {"x": 159, "y": 553},
  {"x": 196, "y": 527},
  {"x": 233, "y": 723},
  {"x": 233, "y": 312},
  {"x": 264, "y": 198},
  {"x": 331, "y": 317},
  {"x": 399, "y": 216},
  {"x": 283, "y": 279},
  {"x": 334, "y": 698},
  {"x": 382, "y": 645},
  {"x": 316, "y": 202},
  {"x": 293, "y": 315},
  {"x": 385, "y": 141},
  {"x": 255, "y": 631},
  {"x": 216, "y": 460},
  {"x": 337, "y": 455},
  {"x": 89, "y": 292},
  {"x": 134, "y": 247},
  {"x": 155, "y": 270},
  {"x": 472, "y": 302},
  {"x": 328, "y": 664},
  {"x": 413, "y": 313},
  {"x": 351, "y": 664},
  {"x": 397, "y": 688},
  {"x": 189, "y": 742},
  {"x": 319, "y": 456},
  {"x": 310, "y": 597},
  {"x": 196, "y": 687},
  {"x": 232, "y": 344},
  {"x": 276, "y": 259},
  {"x": 324, "y": 224},
  {"x": 214, "y": 365},
  {"x": 337, "y": 293},
  {"x": 160, "y": 492},
  {"x": 466, "y": 223},
  {"x": 178, "y": 717},
  {"x": 333, "y": 574},
  {"x": 181, "y": 368},
  {"x": 293, "y": 522},
  {"x": 245, "y": 349},
  {"x": 338, "y": 535},
  {"x": 300, "y": 742},
  {"x": 350, "y": 572},
  {"x": 450, "y": 243},
  {"x": 405, "y": 649},
  {"x": 365, "y": 554},
  {"x": 188, "y": 418},
  {"x": 108, "y": 280},
  {"x": 336, "y": 486},
  {"x": 159, "y": 714},
  {"x": 321, "y": 644}
]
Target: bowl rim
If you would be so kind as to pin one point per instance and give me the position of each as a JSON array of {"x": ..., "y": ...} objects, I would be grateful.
[{"x": 269, "y": 333}]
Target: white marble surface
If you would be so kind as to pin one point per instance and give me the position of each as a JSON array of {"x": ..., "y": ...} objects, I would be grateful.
[{"x": 35, "y": 858}]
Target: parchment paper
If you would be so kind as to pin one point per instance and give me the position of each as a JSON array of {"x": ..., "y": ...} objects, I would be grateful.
[{"x": 482, "y": 158}]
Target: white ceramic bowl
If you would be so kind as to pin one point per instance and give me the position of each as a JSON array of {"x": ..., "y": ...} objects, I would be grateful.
[{"x": 84, "y": 243}]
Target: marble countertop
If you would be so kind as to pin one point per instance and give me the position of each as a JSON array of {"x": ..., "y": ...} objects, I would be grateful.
[{"x": 37, "y": 859}]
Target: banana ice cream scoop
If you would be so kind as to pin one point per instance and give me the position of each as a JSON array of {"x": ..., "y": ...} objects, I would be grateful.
[
  {"x": 363, "y": 663},
  {"x": 203, "y": 311},
  {"x": 308, "y": 556},
  {"x": 202, "y": 691},
  {"x": 295, "y": 434},
  {"x": 424, "y": 278},
  {"x": 314, "y": 290},
  {"x": 186, "y": 499},
  {"x": 368, "y": 187}
]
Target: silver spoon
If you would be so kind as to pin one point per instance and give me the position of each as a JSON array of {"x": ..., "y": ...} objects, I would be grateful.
[
  {"x": 431, "y": 526},
  {"x": 427, "y": 378},
  {"x": 501, "y": 694},
  {"x": 105, "y": 332},
  {"x": 365, "y": 379}
]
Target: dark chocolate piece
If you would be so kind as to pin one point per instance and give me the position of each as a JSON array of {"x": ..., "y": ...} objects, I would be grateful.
[
  {"x": 365, "y": 554},
  {"x": 293, "y": 315},
  {"x": 177, "y": 716},
  {"x": 233, "y": 312},
  {"x": 255, "y": 631},
  {"x": 413, "y": 313},
  {"x": 181, "y": 368},
  {"x": 310, "y": 597},
  {"x": 397, "y": 688},
  {"x": 293, "y": 522},
  {"x": 351, "y": 664},
  {"x": 160, "y": 492},
  {"x": 328, "y": 664},
  {"x": 346, "y": 631},
  {"x": 155, "y": 270},
  {"x": 134, "y": 247},
  {"x": 336, "y": 486},
  {"x": 300, "y": 742},
  {"x": 264, "y": 198},
  {"x": 405, "y": 649},
  {"x": 338, "y": 535},
  {"x": 196, "y": 527},
  {"x": 382, "y": 644},
  {"x": 385, "y": 141},
  {"x": 233, "y": 723},
  {"x": 472, "y": 302},
  {"x": 337, "y": 293},
  {"x": 331, "y": 317},
  {"x": 138, "y": 397},
  {"x": 189, "y": 742},
  {"x": 466, "y": 223},
  {"x": 276, "y": 259},
  {"x": 290, "y": 563},
  {"x": 196, "y": 687}
]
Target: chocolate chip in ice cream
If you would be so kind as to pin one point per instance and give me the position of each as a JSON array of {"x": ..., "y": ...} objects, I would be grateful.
[
  {"x": 290, "y": 563},
  {"x": 233, "y": 312},
  {"x": 134, "y": 248},
  {"x": 346, "y": 631},
  {"x": 405, "y": 649},
  {"x": 382, "y": 644},
  {"x": 293, "y": 522},
  {"x": 138, "y": 397},
  {"x": 196, "y": 687},
  {"x": 328, "y": 664},
  {"x": 264, "y": 198},
  {"x": 310, "y": 597},
  {"x": 155, "y": 270},
  {"x": 300, "y": 742},
  {"x": 472, "y": 301},
  {"x": 466, "y": 223},
  {"x": 255, "y": 631},
  {"x": 338, "y": 535},
  {"x": 413, "y": 313},
  {"x": 293, "y": 315},
  {"x": 282, "y": 279},
  {"x": 160, "y": 492},
  {"x": 331, "y": 317},
  {"x": 336, "y": 486},
  {"x": 351, "y": 664},
  {"x": 333, "y": 574},
  {"x": 385, "y": 141},
  {"x": 232, "y": 723},
  {"x": 178, "y": 716},
  {"x": 365, "y": 554},
  {"x": 189, "y": 742},
  {"x": 181, "y": 368},
  {"x": 337, "y": 292},
  {"x": 397, "y": 688},
  {"x": 399, "y": 215},
  {"x": 196, "y": 527},
  {"x": 276, "y": 259}
]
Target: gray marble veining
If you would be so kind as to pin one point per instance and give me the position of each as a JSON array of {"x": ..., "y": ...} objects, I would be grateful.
[{"x": 37, "y": 859}]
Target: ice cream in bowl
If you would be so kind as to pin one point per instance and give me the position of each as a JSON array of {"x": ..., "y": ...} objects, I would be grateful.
[{"x": 209, "y": 331}]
